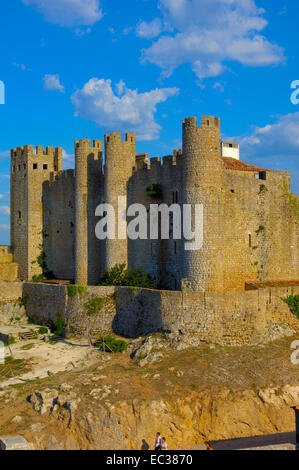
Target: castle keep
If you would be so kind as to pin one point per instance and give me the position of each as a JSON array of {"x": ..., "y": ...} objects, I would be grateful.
[{"x": 250, "y": 228}]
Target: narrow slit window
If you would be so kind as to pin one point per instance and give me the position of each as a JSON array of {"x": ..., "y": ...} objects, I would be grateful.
[{"x": 35, "y": 166}]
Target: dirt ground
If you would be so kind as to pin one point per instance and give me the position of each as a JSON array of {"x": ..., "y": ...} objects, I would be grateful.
[{"x": 178, "y": 374}]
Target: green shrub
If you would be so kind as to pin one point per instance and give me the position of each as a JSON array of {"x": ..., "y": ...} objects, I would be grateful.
[
  {"x": 154, "y": 191},
  {"x": 260, "y": 229},
  {"x": 43, "y": 330},
  {"x": 293, "y": 302},
  {"x": 58, "y": 327},
  {"x": 111, "y": 344},
  {"x": 120, "y": 275},
  {"x": 75, "y": 290},
  {"x": 263, "y": 189},
  {"x": 294, "y": 204},
  {"x": 22, "y": 302},
  {"x": 93, "y": 306},
  {"x": 38, "y": 278},
  {"x": 12, "y": 340}
]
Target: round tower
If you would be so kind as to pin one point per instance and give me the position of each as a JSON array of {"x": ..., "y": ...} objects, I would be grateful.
[
  {"x": 202, "y": 181},
  {"x": 120, "y": 159},
  {"x": 87, "y": 197},
  {"x": 82, "y": 149}
]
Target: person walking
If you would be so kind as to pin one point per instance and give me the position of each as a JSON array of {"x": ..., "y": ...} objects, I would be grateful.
[
  {"x": 158, "y": 442},
  {"x": 164, "y": 444}
]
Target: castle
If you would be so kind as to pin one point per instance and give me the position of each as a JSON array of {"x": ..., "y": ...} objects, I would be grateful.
[{"x": 250, "y": 228}]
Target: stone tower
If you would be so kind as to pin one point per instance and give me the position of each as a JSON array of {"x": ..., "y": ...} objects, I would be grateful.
[
  {"x": 29, "y": 171},
  {"x": 89, "y": 163},
  {"x": 202, "y": 180},
  {"x": 119, "y": 163}
]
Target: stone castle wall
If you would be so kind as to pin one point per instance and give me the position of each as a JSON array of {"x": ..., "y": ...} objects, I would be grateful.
[
  {"x": 8, "y": 269},
  {"x": 250, "y": 231},
  {"x": 29, "y": 171},
  {"x": 10, "y": 307},
  {"x": 232, "y": 318},
  {"x": 59, "y": 225}
]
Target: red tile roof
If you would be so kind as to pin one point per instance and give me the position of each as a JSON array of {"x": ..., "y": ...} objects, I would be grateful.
[{"x": 233, "y": 164}]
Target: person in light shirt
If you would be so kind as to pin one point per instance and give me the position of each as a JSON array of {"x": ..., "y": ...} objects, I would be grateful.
[{"x": 164, "y": 444}]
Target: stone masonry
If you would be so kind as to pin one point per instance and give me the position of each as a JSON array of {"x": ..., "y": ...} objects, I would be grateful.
[{"x": 250, "y": 227}]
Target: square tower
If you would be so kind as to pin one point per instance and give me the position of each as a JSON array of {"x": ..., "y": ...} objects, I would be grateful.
[{"x": 29, "y": 171}]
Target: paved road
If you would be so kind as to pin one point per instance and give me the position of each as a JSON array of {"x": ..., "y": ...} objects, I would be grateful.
[{"x": 259, "y": 441}]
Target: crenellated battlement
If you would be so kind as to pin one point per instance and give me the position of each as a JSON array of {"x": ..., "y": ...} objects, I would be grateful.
[
  {"x": 85, "y": 144},
  {"x": 61, "y": 176},
  {"x": 206, "y": 121},
  {"x": 116, "y": 138},
  {"x": 38, "y": 151}
]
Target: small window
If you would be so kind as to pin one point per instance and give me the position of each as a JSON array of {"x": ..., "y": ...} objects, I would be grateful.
[
  {"x": 55, "y": 168},
  {"x": 19, "y": 167},
  {"x": 20, "y": 214},
  {"x": 14, "y": 169},
  {"x": 24, "y": 166},
  {"x": 175, "y": 248},
  {"x": 230, "y": 146},
  {"x": 250, "y": 240},
  {"x": 263, "y": 175},
  {"x": 45, "y": 166},
  {"x": 35, "y": 166}
]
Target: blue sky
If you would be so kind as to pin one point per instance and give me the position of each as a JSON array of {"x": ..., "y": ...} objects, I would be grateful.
[{"x": 80, "y": 68}]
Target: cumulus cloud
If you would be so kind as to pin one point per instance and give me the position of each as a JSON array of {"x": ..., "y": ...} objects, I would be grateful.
[
  {"x": 4, "y": 210},
  {"x": 149, "y": 30},
  {"x": 275, "y": 146},
  {"x": 68, "y": 12},
  {"x": 126, "y": 111},
  {"x": 210, "y": 32},
  {"x": 52, "y": 83},
  {"x": 4, "y": 227},
  {"x": 280, "y": 139}
]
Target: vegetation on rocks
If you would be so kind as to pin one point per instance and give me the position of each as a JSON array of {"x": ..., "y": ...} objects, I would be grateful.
[
  {"x": 154, "y": 191},
  {"x": 75, "y": 290},
  {"x": 120, "y": 275},
  {"x": 111, "y": 344},
  {"x": 92, "y": 308},
  {"x": 293, "y": 302}
]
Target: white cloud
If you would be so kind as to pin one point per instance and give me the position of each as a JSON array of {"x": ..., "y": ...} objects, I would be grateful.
[
  {"x": 280, "y": 139},
  {"x": 219, "y": 87},
  {"x": 69, "y": 12},
  {"x": 20, "y": 66},
  {"x": 274, "y": 146},
  {"x": 149, "y": 30},
  {"x": 82, "y": 31},
  {"x": 52, "y": 83},
  {"x": 120, "y": 87},
  {"x": 4, "y": 210},
  {"x": 1, "y": 196},
  {"x": 4, "y": 227},
  {"x": 129, "y": 112},
  {"x": 68, "y": 160},
  {"x": 210, "y": 32},
  {"x": 5, "y": 154}
]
